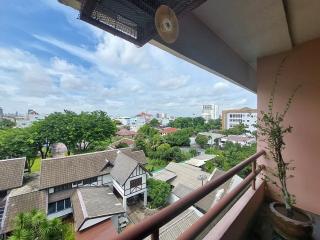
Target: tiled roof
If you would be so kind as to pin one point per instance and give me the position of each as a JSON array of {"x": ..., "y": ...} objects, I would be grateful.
[
  {"x": 94, "y": 202},
  {"x": 174, "y": 228},
  {"x": 125, "y": 132},
  {"x": 204, "y": 204},
  {"x": 123, "y": 167},
  {"x": 200, "y": 160},
  {"x": 58, "y": 171},
  {"x": 11, "y": 173},
  {"x": 164, "y": 175},
  {"x": 24, "y": 199},
  {"x": 168, "y": 130}
]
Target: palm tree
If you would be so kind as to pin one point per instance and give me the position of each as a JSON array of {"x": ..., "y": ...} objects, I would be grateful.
[{"x": 34, "y": 225}]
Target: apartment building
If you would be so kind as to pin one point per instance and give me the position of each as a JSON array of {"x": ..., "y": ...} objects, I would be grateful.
[
  {"x": 210, "y": 112},
  {"x": 233, "y": 117}
]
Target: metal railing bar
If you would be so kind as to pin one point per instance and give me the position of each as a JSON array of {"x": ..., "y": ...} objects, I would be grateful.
[
  {"x": 192, "y": 232},
  {"x": 150, "y": 224}
]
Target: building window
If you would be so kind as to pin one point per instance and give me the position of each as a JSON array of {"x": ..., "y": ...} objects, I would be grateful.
[
  {"x": 135, "y": 182},
  {"x": 59, "y": 206},
  {"x": 63, "y": 187},
  {"x": 90, "y": 181}
]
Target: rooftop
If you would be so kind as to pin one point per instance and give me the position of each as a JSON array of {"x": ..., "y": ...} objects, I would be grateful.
[
  {"x": 11, "y": 173},
  {"x": 94, "y": 202}
]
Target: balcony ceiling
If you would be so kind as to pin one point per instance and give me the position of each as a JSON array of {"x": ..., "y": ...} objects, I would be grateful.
[
  {"x": 259, "y": 28},
  {"x": 226, "y": 37}
]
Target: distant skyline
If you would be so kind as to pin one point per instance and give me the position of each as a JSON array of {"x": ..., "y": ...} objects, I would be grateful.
[{"x": 51, "y": 61}]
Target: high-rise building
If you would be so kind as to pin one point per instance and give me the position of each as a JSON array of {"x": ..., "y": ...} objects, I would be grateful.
[
  {"x": 210, "y": 112},
  {"x": 233, "y": 117},
  {"x": 1, "y": 112}
]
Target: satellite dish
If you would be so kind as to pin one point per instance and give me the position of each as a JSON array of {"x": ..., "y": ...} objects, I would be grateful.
[{"x": 166, "y": 24}]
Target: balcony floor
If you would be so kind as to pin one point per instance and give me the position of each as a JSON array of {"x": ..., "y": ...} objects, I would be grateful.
[{"x": 262, "y": 228}]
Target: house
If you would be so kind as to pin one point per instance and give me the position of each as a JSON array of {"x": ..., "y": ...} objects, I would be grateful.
[
  {"x": 129, "y": 178},
  {"x": 243, "y": 140},
  {"x": 200, "y": 160},
  {"x": 123, "y": 132},
  {"x": 167, "y": 130},
  {"x": 126, "y": 141},
  {"x": 213, "y": 138},
  {"x": 80, "y": 186}
]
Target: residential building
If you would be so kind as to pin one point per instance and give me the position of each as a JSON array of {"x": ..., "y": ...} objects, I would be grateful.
[
  {"x": 80, "y": 186},
  {"x": 233, "y": 117},
  {"x": 123, "y": 132},
  {"x": 210, "y": 112},
  {"x": 200, "y": 160},
  {"x": 213, "y": 138},
  {"x": 167, "y": 130},
  {"x": 243, "y": 140}
]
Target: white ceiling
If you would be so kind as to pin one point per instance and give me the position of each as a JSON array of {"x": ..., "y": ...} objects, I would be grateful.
[{"x": 254, "y": 28}]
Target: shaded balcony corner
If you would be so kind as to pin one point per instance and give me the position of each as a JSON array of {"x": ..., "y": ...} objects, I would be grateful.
[{"x": 249, "y": 218}]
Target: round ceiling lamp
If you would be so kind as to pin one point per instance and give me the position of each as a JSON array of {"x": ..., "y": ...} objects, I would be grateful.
[{"x": 166, "y": 23}]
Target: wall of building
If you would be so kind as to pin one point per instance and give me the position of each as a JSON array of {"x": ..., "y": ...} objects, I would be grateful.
[{"x": 301, "y": 67}]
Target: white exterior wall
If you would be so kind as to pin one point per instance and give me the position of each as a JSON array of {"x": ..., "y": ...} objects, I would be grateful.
[
  {"x": 249, "y": 119},
  {"x": 210, "y": 112},
  {"x": 91, "y": 222},
  {"x": 127, "y": 184}
]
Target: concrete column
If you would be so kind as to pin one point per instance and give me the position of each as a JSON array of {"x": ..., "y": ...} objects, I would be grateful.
[
  {"x": 145, "y": 195},
  {"x": 124, "y": 203}
]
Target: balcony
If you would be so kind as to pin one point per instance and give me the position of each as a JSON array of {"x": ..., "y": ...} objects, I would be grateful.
[{"x": 240, "y": 214}]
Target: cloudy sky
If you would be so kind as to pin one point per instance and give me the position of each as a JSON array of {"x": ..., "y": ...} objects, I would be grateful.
[{"x": 50, "y": 61}]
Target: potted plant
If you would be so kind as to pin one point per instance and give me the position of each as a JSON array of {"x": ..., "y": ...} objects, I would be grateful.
[{"x": 288, "y": 221}]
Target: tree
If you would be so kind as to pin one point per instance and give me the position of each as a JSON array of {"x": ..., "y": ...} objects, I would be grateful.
[
  {"x": 154, "y": 123},
  {"x": 44, "y": 134},
  {"x": 202, "y": 140},
  {"x": 6, "y": 123},
  {"x": 122, "y": 145},
  {"x": 179, "y": 138},
  {"x": 158, "y": 193},
  {"x": 17, "y": 142},
  {"x": 193, "y": 152},
  {"x": 35, "y": 225},
  {"x": 147, "y": 130},
  {"x": 236, "y": 130},
  {"x": 214, "y": 124},
  {"x": 91, "y": 127}
]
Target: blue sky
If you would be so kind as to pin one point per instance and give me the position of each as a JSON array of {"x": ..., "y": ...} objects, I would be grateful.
[{"x": 50, "y": 61}]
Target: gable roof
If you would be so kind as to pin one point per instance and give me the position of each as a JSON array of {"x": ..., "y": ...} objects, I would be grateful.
[
  {"x": 24, "y": 199},
  {"x": 11, "y": 173},
  {"x": 204, "y": 204},
  {"x": 94, "y": 202},
  {"x": 174, "y": 228},
  {"x": 125, "y": 132},
  {"x": 164, "y": 175},
  {"x": 186, "y": 174},
  {"x": 59, "y": 171},
  {"x": 123, "y": 167}
]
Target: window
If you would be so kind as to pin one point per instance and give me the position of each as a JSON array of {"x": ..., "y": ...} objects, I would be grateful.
[
  {"x": 59, "y": 206},
  {"x": 90, "y": 181},
  {"x": 135, "y": 182},
  {"x": 52, "y": 208},
  {"x": 63, "y": 187}
]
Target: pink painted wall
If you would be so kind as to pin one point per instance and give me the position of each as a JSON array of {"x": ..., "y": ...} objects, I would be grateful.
[{"x": 303, "y": 145}]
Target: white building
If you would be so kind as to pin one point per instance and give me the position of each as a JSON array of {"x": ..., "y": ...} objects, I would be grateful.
[
  {"x": 233, "y": 117},
  {"x": 210, "y": 112}
]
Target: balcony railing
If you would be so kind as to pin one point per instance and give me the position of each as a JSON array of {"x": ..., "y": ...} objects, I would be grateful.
[{"x": 152, "y": 224}]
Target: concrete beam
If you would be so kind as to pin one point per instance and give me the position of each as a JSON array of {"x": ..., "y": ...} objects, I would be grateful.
[{"x": 199, "y": 45}]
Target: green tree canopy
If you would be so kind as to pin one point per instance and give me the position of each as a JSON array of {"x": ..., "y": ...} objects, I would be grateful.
[
  {"x": 179, "y": 138},
  {"x": 17, "y": 142},
  {"x": 6, "y": 123},
  {"x": 236, "y": 130},
  {"x": 158, "y": 193},
  {"x": 35, "y": 225},
  {"x": 154, "y": 123},
  {"x": 202, "y": 140},
  {"x": 147, "y": 130}
]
